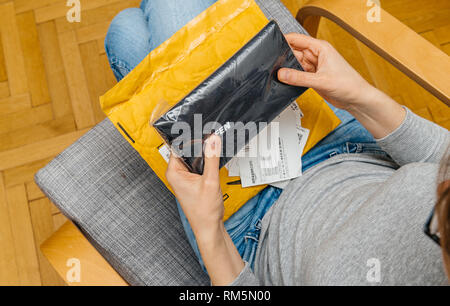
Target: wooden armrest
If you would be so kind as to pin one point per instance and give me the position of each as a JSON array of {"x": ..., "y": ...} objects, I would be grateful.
[
  {"x": 395, "y": 42},
  {"x": 68, "y": 243}
]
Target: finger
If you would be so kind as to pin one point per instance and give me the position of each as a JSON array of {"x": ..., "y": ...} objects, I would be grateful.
[
  {"x": 308, "y": 67},
  {"x": 301, "y": 42},
  {"x": 298, "y": 78},
  {"x": 306, "y": 64},
  {"x": 299, "y": 55},
  {"x": 175, "y": 164},
  {"x": 213, "y": 150},
  {"x": 310, "y": 57}
]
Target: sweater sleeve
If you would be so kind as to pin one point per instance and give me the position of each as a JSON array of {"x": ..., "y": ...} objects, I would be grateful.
[
  {"x": 246, "y": 278},
  {"x": 416, "y": 140}
]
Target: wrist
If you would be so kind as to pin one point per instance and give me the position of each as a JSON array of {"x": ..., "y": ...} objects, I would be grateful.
[
  {"x": 211, "y": 234},
  {"x": 368, "y": 95}
]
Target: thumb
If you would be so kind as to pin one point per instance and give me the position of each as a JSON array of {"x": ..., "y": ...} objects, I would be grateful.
[
  {"x": 213, "y": 150},
  {"x": 298, "y": 78}
]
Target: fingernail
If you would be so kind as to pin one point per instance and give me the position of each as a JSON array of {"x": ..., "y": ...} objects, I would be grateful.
[
  {"x": 215, "y": 140},
  {"x": 212, "y": 143},
  {"x": 284, "y": 74},
  {"x": 213, "y": 146}
]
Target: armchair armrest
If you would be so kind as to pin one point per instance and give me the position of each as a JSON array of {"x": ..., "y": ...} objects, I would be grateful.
[
  {"x": 395, "y": 42},
  {"x": 69, "y": 244}
]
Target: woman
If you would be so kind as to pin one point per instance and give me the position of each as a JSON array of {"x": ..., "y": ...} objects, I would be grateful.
[{"x": 355, "y": 216}]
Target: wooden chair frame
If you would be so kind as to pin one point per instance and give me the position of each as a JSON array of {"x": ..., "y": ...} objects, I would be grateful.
[{"x": 423, "y": 62}]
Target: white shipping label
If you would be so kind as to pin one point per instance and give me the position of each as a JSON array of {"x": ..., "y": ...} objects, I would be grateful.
[
  {"x": 278, "y": 158},
  {"x": 233, "y": 167},
  {"x": 165, "y": 152},
  {"x": 303, "y": 135}
]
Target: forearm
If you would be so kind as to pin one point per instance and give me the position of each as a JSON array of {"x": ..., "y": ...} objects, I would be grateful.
[
  {"x": 220, "y": 256},
  {"x": 378, "y": 113}
]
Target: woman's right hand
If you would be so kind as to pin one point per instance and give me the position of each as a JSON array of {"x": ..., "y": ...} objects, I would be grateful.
[{"x": 326, "y": 71}]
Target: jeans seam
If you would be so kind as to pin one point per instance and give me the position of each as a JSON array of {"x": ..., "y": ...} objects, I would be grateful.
[
  {"x": 119, "y": 63},
  {"x": 362, "y": 148}
]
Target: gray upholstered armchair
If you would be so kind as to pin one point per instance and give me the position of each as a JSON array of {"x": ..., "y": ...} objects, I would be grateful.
[{"x": 103, "y": 185}]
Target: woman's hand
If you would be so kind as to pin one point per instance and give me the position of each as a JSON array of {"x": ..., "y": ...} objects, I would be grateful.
[
  {"x": 200, "y": 196},
  {"x": 201, "y": 199},
  {"x": 326, "y": 71}
]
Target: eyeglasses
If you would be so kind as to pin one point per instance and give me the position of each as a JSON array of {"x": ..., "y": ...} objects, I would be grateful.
[{"x": 431, "y": 228}]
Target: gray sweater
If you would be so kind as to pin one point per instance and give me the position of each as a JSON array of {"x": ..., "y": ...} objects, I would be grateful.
[{"x": 357, "y": 219}]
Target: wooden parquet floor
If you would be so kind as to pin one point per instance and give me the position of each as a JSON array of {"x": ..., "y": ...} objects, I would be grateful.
[{"x": 52, "y": 73}]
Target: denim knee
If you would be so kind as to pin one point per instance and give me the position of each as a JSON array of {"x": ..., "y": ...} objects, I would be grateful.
[{"x": 127, "y": 41}]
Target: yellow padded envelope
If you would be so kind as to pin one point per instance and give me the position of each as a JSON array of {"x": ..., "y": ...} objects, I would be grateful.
[{"x": 177, "y": 67}]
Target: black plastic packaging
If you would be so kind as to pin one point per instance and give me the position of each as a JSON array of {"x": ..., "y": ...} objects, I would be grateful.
[{"x": 245, "y": 89}]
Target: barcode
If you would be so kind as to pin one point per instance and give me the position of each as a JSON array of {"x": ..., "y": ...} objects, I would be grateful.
[
  {"x": 300, "y": 138},
  {"x": 282, "y": 158},
  {"x": 271, "y": 171},
  {"x": 252, "y": 173}
]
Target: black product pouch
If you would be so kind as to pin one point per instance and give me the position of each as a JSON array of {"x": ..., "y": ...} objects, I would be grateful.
[{"x": 235, "y": 101}]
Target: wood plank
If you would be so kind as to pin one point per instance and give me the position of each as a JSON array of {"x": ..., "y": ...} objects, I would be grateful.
[
  {"x": 424, "y": 113},
  {"x": 425, "y": 21},
  {"x": 95, "y": 80},
  {"x": 38, "y": 132},
  {"x": 43, "y": 228},
  {"x": 101, "y": 46},
  {"x": 4, "y": 90},
  {"x": 3, "y": 73},
  {"x": 431, "y": 37},
  {"x": 93, "y": 32},
  {"x": 446, "y": 48},
  {"x": 54, "y": 68},
  {"x": 24, "y": 244},
  {"x": 55, "y": 210},
  {"x": 33, "y": 191},
  {"x": 27, "y": 5},
  {"x": 9, "y": 274},
  {"x": 406, "y": 9},
  {"x": 15, "y": 66},
  {"x": 60, "y": 9},
  {"x": 14, "y": 104},
  {"x": 59, "y": 220},
  {"x": 25, "y": 173},
  {"x": 439, "y": 110},
  {"x": 76, "y": 80},
  {"x": 25, "y": 118},
  {"x": 110, "y": 79},
  {"x": 34, "y": 66},
  {"x": 95, "y": 16},
  {"x": 445, "y": 124},
  {"x": 293, "y": 5},
  {"x": 442, "y": 34},
  {"x": 38, "y": 151}
]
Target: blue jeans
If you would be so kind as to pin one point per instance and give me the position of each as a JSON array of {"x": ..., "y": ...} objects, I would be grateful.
[{"x": 136, "y": 32}]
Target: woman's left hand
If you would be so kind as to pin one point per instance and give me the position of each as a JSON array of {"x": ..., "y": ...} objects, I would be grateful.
[
  {"x": 200, "y": 196},
  {"x": 201, "y": 199}
]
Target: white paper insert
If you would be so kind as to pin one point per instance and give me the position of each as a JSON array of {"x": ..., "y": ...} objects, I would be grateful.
[{"x": 280, "y": 161}]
